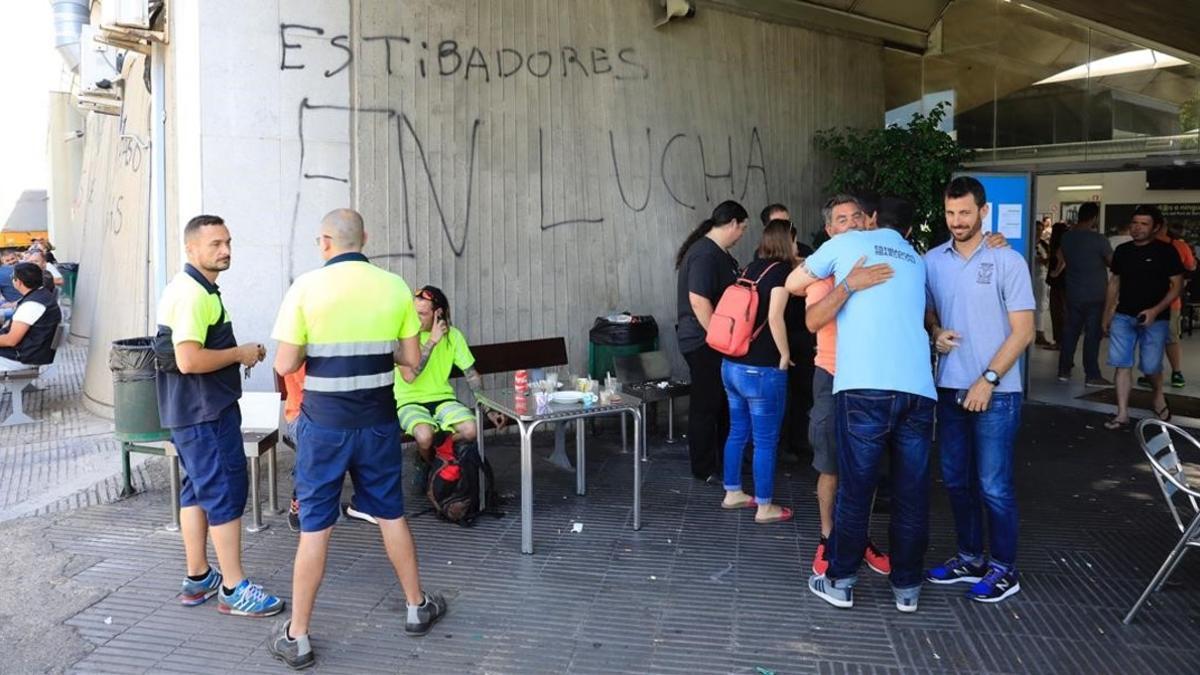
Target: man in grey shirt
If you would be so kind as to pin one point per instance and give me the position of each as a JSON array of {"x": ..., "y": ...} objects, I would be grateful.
[{"x": 1084, "y": 257}]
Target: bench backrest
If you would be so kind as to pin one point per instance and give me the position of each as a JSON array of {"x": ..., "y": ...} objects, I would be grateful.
[
  {"x": 503, "y": 357},
  {"x": 60, "y": 335}
]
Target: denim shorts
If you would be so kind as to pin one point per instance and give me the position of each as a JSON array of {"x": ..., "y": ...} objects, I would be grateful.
[
  {"x": 822, "y": 424},
  {"x": 371, "y": 455},
  {"x": 1125, "y": 334},
  {"x": 214, "y": 465}
]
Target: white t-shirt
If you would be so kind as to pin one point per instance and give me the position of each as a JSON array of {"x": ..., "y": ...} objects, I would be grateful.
[
  {"x": 29, "y": 312},
  {"x": 53, "y": 271}
]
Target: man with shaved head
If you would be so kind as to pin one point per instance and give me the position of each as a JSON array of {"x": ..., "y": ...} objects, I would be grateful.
[
  {"x": 349, "y": 323},
  {"x": 199, "y": 385}
]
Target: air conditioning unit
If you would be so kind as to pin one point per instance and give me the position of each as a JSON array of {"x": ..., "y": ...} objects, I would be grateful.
[
  {"x": 99, "y": 73},
  {"x": 127, "y": 13}
]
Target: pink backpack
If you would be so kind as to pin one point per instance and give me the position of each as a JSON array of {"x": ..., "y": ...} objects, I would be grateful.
[{"x": 731, "y": 328}]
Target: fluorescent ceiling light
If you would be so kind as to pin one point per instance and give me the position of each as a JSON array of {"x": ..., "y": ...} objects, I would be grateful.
[
  {"x": 1070, "y": 188},
  {"x": 1129, "y": 62}
]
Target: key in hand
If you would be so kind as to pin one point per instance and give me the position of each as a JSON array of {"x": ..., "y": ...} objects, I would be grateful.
[{"x": 247, "y": 375}]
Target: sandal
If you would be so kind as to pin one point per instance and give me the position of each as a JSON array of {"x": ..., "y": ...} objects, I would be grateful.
[
  {"x": 784, "y": 514},
  {"x": 1159, "y": 413},
  {"x": 1114, "y": 424},
  {"x": 740, "y": 505}
]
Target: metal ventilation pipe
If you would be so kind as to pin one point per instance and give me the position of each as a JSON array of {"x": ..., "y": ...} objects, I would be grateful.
[{"x": 69, "y": 18}]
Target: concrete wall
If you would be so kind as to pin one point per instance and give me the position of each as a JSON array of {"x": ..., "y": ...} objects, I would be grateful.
[{"x": 538, "y": 160}]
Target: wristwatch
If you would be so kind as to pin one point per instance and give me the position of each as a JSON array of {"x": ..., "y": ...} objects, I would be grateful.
[{"x": 991, "y": 377}]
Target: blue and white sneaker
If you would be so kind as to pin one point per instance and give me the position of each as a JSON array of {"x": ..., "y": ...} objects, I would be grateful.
[
  {"x": 196, "y": 592},
  {"x": 996, "y": 586},
  {"x": 249, "y": 600},
  {"x": 957, "y": 569},
  {"x": 907, "y": 599},
  {"x": 823, "y": 588}
]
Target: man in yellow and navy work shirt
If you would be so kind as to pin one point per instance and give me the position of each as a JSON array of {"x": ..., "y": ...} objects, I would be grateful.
[
  {"x": 424, "y": 396},
  {"x": 198, "y": 390},
  {"x": 349, "y": 323}
]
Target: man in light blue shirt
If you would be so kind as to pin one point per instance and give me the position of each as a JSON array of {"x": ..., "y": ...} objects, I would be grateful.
[
  {"x": 885, "y": 400},
  {"x": 981, "y": 316}
]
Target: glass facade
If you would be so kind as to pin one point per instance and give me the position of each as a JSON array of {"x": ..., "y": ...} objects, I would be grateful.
[{"x": 1024, "y": 85}]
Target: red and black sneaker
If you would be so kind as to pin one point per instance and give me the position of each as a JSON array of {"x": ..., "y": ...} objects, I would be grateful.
[
  {"x": 877, "y": 560},
  {"x": 820, "y": 564}
]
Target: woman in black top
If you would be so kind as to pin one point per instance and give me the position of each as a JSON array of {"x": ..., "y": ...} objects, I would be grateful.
[
  {"x": 705, "y": 270},
  {"x": 1057, "y": 284},
  {"x": 756, "y": 383}
]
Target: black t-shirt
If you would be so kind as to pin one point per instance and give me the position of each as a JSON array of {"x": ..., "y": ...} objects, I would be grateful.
[
  {"x": 763, "y": 351},
  {"x": 707, "y": 270},
  {"x": 1145, "y": 273}
]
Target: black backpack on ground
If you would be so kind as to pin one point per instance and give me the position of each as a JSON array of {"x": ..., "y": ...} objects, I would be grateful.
[{"x": 453, "y": 482}]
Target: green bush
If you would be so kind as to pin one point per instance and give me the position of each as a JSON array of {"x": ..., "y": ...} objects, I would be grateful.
[{"x": 913, "y": 162}]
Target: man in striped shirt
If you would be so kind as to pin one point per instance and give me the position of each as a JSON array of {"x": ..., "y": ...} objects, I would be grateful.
[{"x": 349, "y": 323}]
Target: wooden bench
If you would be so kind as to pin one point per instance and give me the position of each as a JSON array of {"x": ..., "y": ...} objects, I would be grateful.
[{"x": 16, "y": 381}]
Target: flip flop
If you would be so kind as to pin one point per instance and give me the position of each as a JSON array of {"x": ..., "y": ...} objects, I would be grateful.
[
  {"x": 784, "y": 515},
  {"x": 740, "y": 505},
  {"x": 1159, "y": 413},
  {"x": 1113, "y": 424}
]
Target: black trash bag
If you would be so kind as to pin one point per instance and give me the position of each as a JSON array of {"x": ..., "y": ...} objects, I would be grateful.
[
  {"x": 132, "y": 360},
  {"x": 641, "y": 329},
  {"x": 68, "y": 267}
]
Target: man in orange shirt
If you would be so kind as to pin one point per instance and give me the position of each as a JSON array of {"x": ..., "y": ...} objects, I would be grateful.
[
  {"x": 293, "y": 384},
  {"x": 1173, "y": 234},
  {"x": 823, "y": 301}
]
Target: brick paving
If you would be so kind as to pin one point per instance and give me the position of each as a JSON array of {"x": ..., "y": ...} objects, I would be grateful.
[{"x": 698, "y": 590}]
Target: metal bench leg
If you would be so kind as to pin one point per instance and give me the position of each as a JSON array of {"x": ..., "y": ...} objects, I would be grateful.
[
  {"x": 645, "y": 434},
  {"x": 580, "y": 452},
  {"x": 256, "y": 523},
  {"x": 273, "y": 482},
  {"x": 1168, "y": 566},
  {"x": 17, "y": 416},
  {"x": 670, "y": 420},
  {"x": 559, "y": 457},
  {"x": 479, "y": 418},
  {"x": 173, "y": 473}
]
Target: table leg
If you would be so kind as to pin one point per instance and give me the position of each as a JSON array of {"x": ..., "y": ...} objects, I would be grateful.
[
  {"x": 670, "y": 420},
  {"x": 580, "y": 480},
  {"x": 256, "y": 523},
  {"x": 526, "y": 486},
  {"x": 637, "y": 471},
  {"x": 479, "y": 419},
  {"x": 272, "y": 482},
  {"x": 173, "y": 473},
  {"x": 624, "y": 439}
]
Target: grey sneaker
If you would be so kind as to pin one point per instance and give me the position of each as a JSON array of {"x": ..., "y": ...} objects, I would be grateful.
[
  {"x": 421, "y": 619},
  {"x": 288, "y": 650},
  {"x": 1097, "y": 382},
  {"x": 907, "y": 599},
  {"x": 823, "y": 588}
]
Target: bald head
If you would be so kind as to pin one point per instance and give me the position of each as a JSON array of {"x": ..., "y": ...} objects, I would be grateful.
[{"x": 344, "y": 230}]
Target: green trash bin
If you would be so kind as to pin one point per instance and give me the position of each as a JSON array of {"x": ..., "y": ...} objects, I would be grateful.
[
  {"x": 619, "y": 335},
  {"x": 135, "y": 397},
  {"x": 70, "y": 273}
]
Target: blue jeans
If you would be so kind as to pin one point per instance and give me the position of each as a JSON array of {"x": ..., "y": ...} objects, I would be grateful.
[
  {"x": 977, "y": 466},
  {"x": 870, "y": 424},
  {"x": 1083, "y": 318},
  {"x": 757, "y": 401}
]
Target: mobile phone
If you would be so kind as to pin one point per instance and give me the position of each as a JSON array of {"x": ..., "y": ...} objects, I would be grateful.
[{"x": 960, "y": 396}]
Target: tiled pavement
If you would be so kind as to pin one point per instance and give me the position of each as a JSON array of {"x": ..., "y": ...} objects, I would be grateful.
[{"x": 697, "y": 590}]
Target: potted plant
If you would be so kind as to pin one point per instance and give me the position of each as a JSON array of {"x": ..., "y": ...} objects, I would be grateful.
[{"x": 913, "y": 162}]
